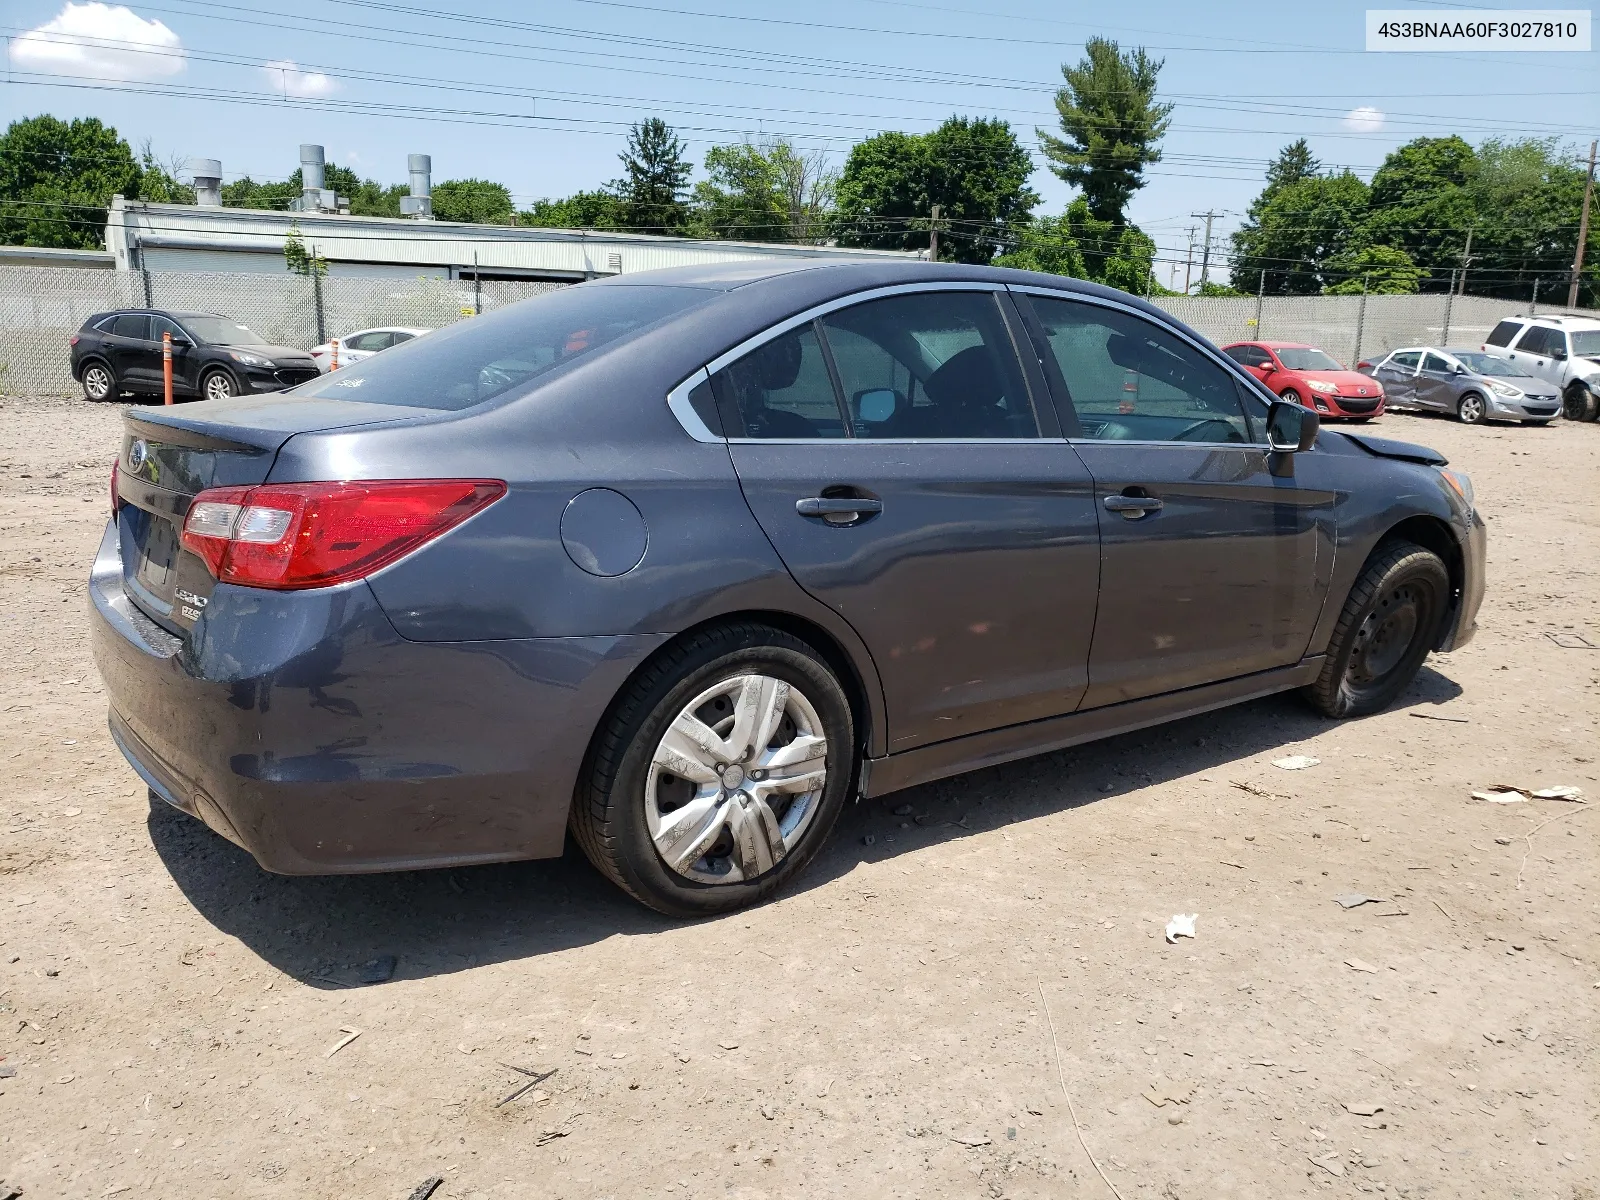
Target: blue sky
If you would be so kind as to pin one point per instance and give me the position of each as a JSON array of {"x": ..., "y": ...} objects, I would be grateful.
[{"x": 539, "y": 96}]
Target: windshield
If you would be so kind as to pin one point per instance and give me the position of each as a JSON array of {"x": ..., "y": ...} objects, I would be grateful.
[
  {"x": 478, "y": 359},
  {"x": 1303, "y": 358},
  {"x": 219, "y": 331},
  {"x": 1488, "y": 364},
  {"x": 1586, "y": 342}
]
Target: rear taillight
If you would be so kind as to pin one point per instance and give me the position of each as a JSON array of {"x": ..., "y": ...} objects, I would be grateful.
[
  {"x": 306, "y": 535},
  {"x": 73, "y": 340}
]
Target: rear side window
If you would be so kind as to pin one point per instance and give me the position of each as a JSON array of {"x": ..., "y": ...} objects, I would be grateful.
[
  {"x": 781, "y": 390},
  {"x": 131, "y": 325},
  {"x": 1502, "y": 333},
  {"x": 1407, "y": 359},
  {"x": 486, "y": 357},
  {"x": 930, "y": 365}
]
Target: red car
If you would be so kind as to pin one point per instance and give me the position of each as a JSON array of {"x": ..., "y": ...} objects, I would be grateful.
[{"x": 1307, "y": 376}]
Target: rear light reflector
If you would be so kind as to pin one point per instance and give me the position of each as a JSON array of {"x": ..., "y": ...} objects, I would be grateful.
[{"x": 289, "y": 536}]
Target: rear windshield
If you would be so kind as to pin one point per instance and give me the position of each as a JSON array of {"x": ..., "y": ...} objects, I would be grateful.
[
  {"x": 1488, "y": 364},
  {"x": 474, "y": 361},
  {"x": 1502, "y": 333},
  {"x": 1303, "y": 358}
]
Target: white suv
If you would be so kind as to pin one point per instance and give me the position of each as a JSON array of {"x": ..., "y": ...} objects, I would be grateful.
[{"x": 1562, "y": 349}]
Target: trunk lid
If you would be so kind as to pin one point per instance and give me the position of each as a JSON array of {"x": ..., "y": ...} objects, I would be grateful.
[{"x": 171, "y": 455}]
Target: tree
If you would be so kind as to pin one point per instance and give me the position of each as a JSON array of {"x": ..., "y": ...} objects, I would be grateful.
[
  {"x": 1422, "y": 203},
  {"x": 582, "y": 210},
  {"x": 1527, "y": 196},
  {"x": 655, "y": 178},
  {"x": 807, "y": 184},
  {"x": 158, "y": 181},
  {"x": 476, "y": 201},
  {"x": 1294, "y": 163},
  {"x": 1112, "y": 123},
  {"x": 1047, "y": 244},
  {"x": 297, "y": 258},
  {"x": 1377, "y": 270},
  {"x": 974, "y": 169},
  {"x": 1292, "y": 233},
  {"x": 57, "y": 179},
  {"x": 1130, "y": 265},
  {"x": 741, "y": 196}
]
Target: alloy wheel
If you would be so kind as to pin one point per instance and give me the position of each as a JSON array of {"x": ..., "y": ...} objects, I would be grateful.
[
  {"x": 218, "y": 386},
  {"x": 1470, "y": 410},
  {"x": 97, "y": 382},
  {"x": 736, "y": 780}
]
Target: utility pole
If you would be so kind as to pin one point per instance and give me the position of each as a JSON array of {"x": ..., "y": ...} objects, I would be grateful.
[
  {"x": 1205, "y": 255},
  {"x": 1466, "y": 259},
  {"x": 933, "y": 236},
  {"x": 1188, "y": 258},
  {"x": 1583, "y": 233}
]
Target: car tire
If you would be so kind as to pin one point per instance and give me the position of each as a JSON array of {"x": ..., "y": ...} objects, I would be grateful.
[
  {"x": 99, "y": 382},
  {"x": 1578, "y": 403},
  {"x": 218, "y": 384},
  {"x": 1389, "y": 623},
  {"x": 749, "y": 838},
  {"x": 1292, "y": 396},
  {"x": 1471, "y": 409}
]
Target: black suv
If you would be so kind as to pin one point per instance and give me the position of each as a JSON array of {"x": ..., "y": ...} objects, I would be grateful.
[{"x": 212, "y": 357}]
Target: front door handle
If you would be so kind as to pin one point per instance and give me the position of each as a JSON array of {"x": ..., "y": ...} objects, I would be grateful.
[
  {"x": 1132, "y": 507},
  {"x": 836, "y": 507}
]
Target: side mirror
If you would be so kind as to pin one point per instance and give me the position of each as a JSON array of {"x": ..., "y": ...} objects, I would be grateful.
[
  {"x": 1559, "y": 353},
  {"x": 1291, "y": 428},
  {"x": 179, "y": 341},
  {"x": 877, "y": 405}
]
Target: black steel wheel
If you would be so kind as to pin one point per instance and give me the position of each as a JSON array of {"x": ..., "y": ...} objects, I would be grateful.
[{"x": 1390, "y": 621}]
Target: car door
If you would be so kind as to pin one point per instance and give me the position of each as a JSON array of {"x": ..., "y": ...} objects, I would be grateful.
[
  {"x": 1434, "y": 386},
  {"x": 184, "y": 356},
  {"x": 1399, "y": 376},
  {"x": 891, "y": 449},
  {"x": 128, "y": 347},
  {"x": 1213, "y": 565},
  {"x": 1534, "y": 352}
]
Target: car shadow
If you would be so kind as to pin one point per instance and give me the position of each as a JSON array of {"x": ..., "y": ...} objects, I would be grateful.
[{"x": 323, "y": 929}]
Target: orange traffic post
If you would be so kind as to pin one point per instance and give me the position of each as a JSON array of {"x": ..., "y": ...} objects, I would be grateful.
[
  {"x": 333, "y": 360},
  {"x": 166, "y": 364}
]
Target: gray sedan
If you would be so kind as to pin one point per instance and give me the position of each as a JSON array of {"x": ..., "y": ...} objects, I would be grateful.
[{"x": 1474, "y": 386}]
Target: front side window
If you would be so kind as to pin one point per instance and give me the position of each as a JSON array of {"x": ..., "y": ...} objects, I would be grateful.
[
  {"x": 1536, "y": 340},
  {"x": 781, "y": 391},
  {"x": 930, "y": 365},
  {"x": 1502, "y": 333},
  {"x": 1130, "y": 380},
  {"x": 1432, "y": 362},
  {"x": 160, "y": 325},
  {"x": 376, "y": 340}
]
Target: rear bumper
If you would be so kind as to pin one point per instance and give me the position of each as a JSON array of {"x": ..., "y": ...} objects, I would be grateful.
[
  {"x": 301, "y": 726},
  {"x": 1463, "y": 622}
]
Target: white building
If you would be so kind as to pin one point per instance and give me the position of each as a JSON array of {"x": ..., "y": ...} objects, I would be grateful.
[{"x": 189, "y": 237}]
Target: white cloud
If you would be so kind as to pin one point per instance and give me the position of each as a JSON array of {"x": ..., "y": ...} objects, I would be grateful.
[
  {"x": 100, "y": 41},
  {"x": 288, "y": 79},
  {"x": 1365, "y": 119}
]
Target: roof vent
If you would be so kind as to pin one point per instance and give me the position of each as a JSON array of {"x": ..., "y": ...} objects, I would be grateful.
[
  {"x": 614, "y": 263},
  {"x": 419, "y": 203},
  {"x": 314, "y": 195},
  {"x": 207, "y": 182}
]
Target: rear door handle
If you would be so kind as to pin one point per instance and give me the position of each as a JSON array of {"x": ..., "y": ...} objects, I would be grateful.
[
  {"x": 1132, "y": 507},
  {"x": 837, "y": 506}
]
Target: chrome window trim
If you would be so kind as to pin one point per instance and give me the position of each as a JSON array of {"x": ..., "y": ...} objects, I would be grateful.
[
  {"x": 1233, "y": 369},
  {"x": 861, "y": 441},
  {"x": 678, "y": 402}
]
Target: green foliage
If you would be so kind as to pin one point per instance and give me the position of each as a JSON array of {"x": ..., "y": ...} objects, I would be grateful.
[
  {"x": 1422, "y": 203},
  {"x": 1113, "y": 126},
  {"x": 300, "y": 260},
  {"x": 1130, "y": 265},
  {"x": 476, "y": 201},
  {"x": 1528, "y": 196},
  {"x": 1294, "y": 163},
  {"x": 655, "y": 178},
  {"x": 1293, "y": 231},
  {"x": 158, "y": 181},
  {"x": 245, "y": 192},
  {"x": 741, "y": 197},
  {"x": 1376, "y": 270},
  {"x": 582, "y": 210},
  {"x": 974, "y": 169},
  {"x": 57, "y": 179},
  {"x": 1048, "y": 244},
  {"x": 1218, "y": 290},
  {"x": 1077, "y": 244}
]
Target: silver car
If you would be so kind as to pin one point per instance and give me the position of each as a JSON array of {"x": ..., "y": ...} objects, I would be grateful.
[{"x": 1470, "y": 384}]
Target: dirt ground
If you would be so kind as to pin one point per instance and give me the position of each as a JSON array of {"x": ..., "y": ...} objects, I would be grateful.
[{"x": 168, "y": 1011}]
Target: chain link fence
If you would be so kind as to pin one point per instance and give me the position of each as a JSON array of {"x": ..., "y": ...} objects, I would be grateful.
[{"x": 42, "y": 307}]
